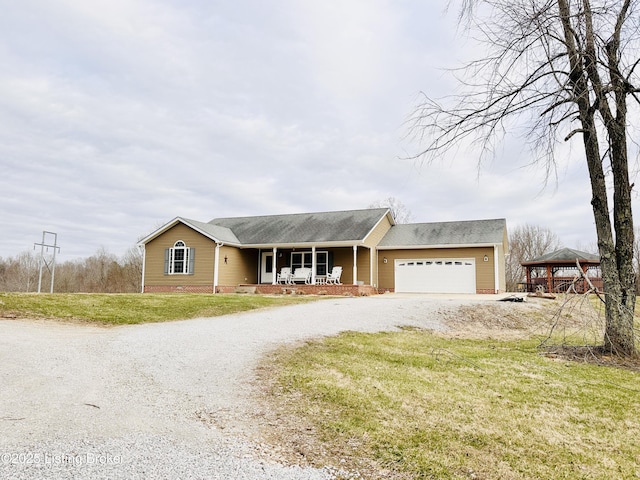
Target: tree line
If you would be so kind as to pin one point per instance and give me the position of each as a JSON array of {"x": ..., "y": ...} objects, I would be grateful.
[{"x": 102, "y": 272}]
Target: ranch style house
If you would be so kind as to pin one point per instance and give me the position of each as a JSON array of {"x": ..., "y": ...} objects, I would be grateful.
[{"x": 356, "y": 252}]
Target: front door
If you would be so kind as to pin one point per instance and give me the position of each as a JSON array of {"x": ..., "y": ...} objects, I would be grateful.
[{"x": 267, "y": 268}]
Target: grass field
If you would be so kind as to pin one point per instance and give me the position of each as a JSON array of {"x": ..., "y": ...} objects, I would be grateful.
[
  {"x": 477, "y": 403},
  {"x": 414, "y": 404},
  {"x": 120, "y": 309}
]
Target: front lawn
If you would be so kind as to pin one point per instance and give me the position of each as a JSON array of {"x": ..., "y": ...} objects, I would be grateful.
[
  {"x": 416, "y": 404},
  {"x": 118, "y": 309}
]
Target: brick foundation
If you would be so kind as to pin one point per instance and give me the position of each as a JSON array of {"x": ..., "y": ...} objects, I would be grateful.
[
  {"x": 338, "y": 290},
  {"x": 178, "y": 289},
  {"x": 268, "y": 289}
]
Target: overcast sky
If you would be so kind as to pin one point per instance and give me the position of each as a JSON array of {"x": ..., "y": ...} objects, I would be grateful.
[{"x": 118, "y": 115}]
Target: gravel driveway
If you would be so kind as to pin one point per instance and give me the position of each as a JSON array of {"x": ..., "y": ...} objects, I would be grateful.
[{"x": 165, "y": 400}]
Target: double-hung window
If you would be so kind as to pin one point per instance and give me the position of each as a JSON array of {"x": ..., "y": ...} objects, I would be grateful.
[
  {"x": 304, "y": 259},
  {"x": 179, "y": 259}
]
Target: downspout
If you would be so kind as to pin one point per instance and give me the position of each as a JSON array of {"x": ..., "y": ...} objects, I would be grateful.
[
  {"x": 496, "y": 268},
  {"x": 216, "y": 267}
]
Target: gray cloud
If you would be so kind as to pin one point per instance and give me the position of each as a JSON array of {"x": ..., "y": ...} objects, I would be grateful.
[{"x": 116, "y": 116}]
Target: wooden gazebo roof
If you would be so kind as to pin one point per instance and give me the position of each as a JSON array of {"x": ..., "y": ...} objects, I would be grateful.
[
  {"x": 565, "y": 257},
  {"x": 551, "y": 263}
]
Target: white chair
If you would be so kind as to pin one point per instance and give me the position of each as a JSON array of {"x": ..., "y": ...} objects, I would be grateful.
[
  {"x": 284, "y": 276},
  {"x": 301, "y": 275},
  {"x": 334, "y": 277}
]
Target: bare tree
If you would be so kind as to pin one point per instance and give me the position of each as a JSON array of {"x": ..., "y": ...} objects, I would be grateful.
[
  {"x": 19, "y": 274},
  {"x": 527, "y": 242},
  {"x": 132, "y": 268},
  {"x": 567, "y": 69},
  {"x": 401, "y": 214},
  {"x": 102, "y": 272}
]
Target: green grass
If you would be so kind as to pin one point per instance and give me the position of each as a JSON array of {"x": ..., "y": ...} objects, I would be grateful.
[
  {"x": 118, "y": 309},
  {"x": 428, "y": 407}
]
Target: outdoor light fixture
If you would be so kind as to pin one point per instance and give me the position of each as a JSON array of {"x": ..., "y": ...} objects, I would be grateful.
[
  {"x": 384, "y": 259},
  {"x": 225, "y": 259},
  {"x": 486, "y": 258}
]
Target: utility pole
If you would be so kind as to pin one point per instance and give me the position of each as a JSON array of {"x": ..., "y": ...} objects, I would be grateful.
[{"x": 51, "y": 266}]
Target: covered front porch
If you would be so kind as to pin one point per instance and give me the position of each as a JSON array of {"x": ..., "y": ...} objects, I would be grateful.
[{"x": 357, "y": 264}]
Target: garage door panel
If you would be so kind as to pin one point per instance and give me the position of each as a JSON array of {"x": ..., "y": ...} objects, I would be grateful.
[{"x": 435, "y": 276}]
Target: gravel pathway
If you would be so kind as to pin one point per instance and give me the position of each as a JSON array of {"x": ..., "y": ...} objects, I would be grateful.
[{"x": 167, "y": 400}]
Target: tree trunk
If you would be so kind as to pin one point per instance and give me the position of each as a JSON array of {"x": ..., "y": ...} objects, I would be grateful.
[
  {"x": 619, "y": 334},
  {"x": 616, "y": 256}
]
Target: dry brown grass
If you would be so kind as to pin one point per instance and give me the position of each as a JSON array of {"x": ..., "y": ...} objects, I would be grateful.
[{"x": 477, "y": 401}]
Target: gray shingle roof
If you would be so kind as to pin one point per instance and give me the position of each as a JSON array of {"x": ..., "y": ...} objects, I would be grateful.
[
  {"x": 216, "y": 231},
  {"x": 329, "y": 227},
  {"x": 565, "y": 255},
  {"x": 472, "y": 232}
]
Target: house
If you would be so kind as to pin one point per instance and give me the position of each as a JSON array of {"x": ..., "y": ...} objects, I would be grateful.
[{"x": 375, "y": 254}]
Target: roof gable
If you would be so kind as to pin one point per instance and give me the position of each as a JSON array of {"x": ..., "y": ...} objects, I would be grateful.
[
  {"x": 323, "y": 227},
  {"x": 214, "y": 232},
  {"x": 472, "y": 232}
]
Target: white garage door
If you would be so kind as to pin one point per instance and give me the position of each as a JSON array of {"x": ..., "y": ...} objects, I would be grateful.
[{"x": 436, "y": 275}]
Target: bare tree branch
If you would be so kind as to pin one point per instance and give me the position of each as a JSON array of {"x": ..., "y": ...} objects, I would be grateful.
[{"x": 565, "y": 69}]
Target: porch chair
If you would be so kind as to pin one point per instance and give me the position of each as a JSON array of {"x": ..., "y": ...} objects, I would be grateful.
[
  {"x": 301, "y": 275},
  {"x": 334, "y": 276},
  {"x": 284, "y": 276}
]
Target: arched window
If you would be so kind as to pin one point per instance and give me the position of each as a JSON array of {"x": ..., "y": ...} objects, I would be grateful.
[{"x": 179, "y": 259}]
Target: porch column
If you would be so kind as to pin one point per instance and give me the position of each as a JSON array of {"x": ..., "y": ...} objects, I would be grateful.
[
  {"x": 371, "y": 264},
  {"x": 549, "y": 279},
  {"x": 144, "y": 264},
  {"x": 313, "y": 265},
  {"x": 274, "y": 268},
  {"x": 355, "y": 264},
  {"x": 216, "y": 267}
]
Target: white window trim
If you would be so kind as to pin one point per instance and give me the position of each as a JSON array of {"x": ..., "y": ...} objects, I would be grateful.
[
  {"x": 314, "y": 257},
  {"x": 179, "y": 245}
]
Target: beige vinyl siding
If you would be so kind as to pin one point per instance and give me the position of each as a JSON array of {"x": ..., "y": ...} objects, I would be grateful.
[
  {"x": 372, "y": 241},
  {"x": 343, "y": 257},
  {"x": 364, "y": 266},
  {"x": 241, "y": 266},
  {"x": 485, "y": 272},
  {"x": 378, "y": 233},
  {"x": 204, "y": 255}
]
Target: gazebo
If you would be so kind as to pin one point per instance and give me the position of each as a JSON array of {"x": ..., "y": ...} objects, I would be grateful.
[{"x": 555, "y": 271}]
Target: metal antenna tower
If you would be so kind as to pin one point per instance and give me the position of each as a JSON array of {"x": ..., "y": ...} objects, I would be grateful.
[{"x": 51, "y": 265}]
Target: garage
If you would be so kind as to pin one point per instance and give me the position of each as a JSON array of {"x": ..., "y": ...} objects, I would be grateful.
[{"x": 435, "y": 275}]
